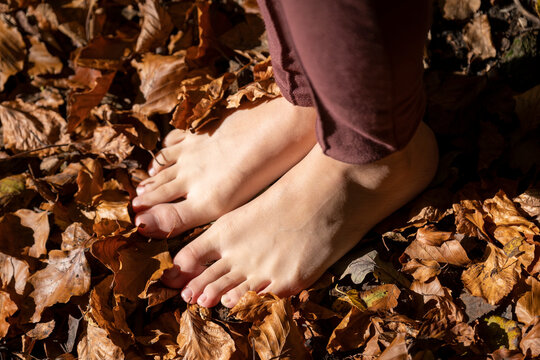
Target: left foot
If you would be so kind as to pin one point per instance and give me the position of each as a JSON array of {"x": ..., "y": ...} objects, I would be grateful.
[{"x": 282, "y": 241}]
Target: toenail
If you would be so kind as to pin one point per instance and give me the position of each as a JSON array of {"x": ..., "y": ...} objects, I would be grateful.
[
  {"x": 145, "y": 220},
  {"x": 225, "y": 300},
  {"x": 172, "y": 273},
  {"x": 151, "y": 172},
  {"x": 201, "y": 300},
  {"x": 187, "y": 295},
  {"x": 136, "y": 202},
  {"x": 140, "y": 190}
]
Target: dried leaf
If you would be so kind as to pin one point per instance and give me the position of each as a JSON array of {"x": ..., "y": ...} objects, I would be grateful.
[
  {"x": 352, "y": 332},
  {"x": 28, "y": 127},
  {"x": 263, "y": 86},
  {"x": 509, "y": 328},
  {"x": 13, "y": 272},
  {"x": 528, "y": 305},
  {"x": 200, "y": 338},
  {"x": 507, "y": 219},
  {"x": 138, "y": 129},
  {"x": 156, "y": 26},
  {"x": 459, "y": 9},
  {"x": 450, "y": 252},
  {"x": 89, "y": 181},
  {"x": 253, "y": 307},
  {"x": 39, "y": 223},
  {"x": 205, "y": 31},
  {"x": 67, "y": 274},
  {"x": 529, "y": 342},
  {"x": 103, "y": 53},
  {"x": 95, "y": 84},
  {"x": 13, "y": 50},
  {"x": 397, "y": 350},
  {"x": 75, "y": 236},
  {"x": 277, "y": 336},
  {"x": 359, "y": 268},
  {"x": 493, "y": 278},
  {"x": 529, "y": 202},
  {"x": 477, "y": 36},
  {"x": 422, "y": 270},
  {"x": 42, "y": 330},
  {"x": 381, "y": 298},
  {"x": 470, "y": 219},
  {"x": 7, "y": 308},
  {"x": 43, "y": 62},
  {"x": 161, "y": 78},
  {"x": 95, "y": 345},
  {"x": 108, "y": 144}
]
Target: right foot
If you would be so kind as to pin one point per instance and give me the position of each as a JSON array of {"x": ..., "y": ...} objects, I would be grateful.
[{"x": 197, "y": 178}]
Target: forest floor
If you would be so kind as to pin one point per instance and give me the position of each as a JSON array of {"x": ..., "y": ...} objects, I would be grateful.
[{"x": 89, "y": 88}]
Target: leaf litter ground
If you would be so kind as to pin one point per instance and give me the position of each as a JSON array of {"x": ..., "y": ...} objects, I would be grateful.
[{"x": 88, "y": 90}]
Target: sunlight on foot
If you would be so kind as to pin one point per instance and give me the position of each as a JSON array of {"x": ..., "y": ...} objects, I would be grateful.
[
  {"x": 283, "y": 240},
  {"x": 198, "y": 177}
]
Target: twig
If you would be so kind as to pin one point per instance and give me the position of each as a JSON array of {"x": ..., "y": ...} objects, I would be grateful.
[
  {"x": 24, "y": 153},
  {"x": 526, "y": 13}
]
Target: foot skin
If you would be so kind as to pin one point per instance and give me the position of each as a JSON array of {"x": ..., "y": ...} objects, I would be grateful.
[
  {"x": 283, "y": 240},
  {"x": 197, "y": 178}
]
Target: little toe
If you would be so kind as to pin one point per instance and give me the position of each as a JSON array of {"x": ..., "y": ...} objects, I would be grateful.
[
  {"x": 213, "y": 291},
  {"x": 165, "y": 193},
  {"x": 164, "y": 158},
  {"x": 197, "y": 285},
  {"x": 174, "y": 137}
]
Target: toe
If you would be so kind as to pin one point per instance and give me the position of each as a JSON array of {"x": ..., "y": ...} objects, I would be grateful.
[
  {"x": 232, "y": 296},
  {"x": 213, "y": 291},
  {"x": 197, "y": 285},
  {"x": 174, "y": 137},
  {"x": 170, "y": 191},
  {"x": 190, "y": 262},
  {"x": 161, "y": 178},
  {"x": 165, "y": 158},
  {"x": 167, "y": 220}
]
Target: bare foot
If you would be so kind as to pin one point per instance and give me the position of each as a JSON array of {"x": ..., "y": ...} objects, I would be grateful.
[
  {"x": 283, "y": 240},
  {"x": 203, "y": 176}
]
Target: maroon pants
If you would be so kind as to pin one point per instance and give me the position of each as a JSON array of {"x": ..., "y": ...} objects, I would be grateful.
[{"x": 359, "y": 63}]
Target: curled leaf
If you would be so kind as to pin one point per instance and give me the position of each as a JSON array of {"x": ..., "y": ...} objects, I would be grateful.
[{"x": 13, "y": 50}]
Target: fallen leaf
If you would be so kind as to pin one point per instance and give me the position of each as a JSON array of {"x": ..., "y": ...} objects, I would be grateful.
[
  {"x": 422, "y": 270},
  {"x": 155, "y": 28},
  {"x": 42, "y": 330},
  {"x": 12, "y": 48},
  {"x": 15, "y": 238},
  {"x": 95, "y": 345},
  {"x": 469, "y": 219},
  {"x": 352, "y": 332},
  {"x": 492, "y": 278},
  {"x": 13, "y": 272},
  {"x": 90, "y": 181},
  {"x": 528, "y": 305},
  {"x": 359, "y": 268},
  {"x": 529, "y": 201},
  {"x": 39, "y": 223},
  {"x": 397, "y": 349},
  {"x": 277, "y": 335},
  {"x": 381, "y": 298},
  {"x": 253, "y": 307},
  {"x": 103, "y": 53},
  {"x": 529, "y": 341},
  {"x": 7, "y": 308},
  {"x": 94, "y": 84},
  {"x": 138, "y": 129},
  {"x": 449, "y": 251},
  {"x": 477, "y": 36},
  {"x": 161, "y": 78},
  {"x": 507, "y": 219},
  {"x": 42, "y": 60},
  {"x": 67, "y": 274},
  {"x": 75, "y": 236},
  {"x": 205, "y": 31},
  {"x": 511, "y": 333},
  {"x": 459, "y": 9},
  {"x": 107, "y": 143},
  {"x": 201, "y": 338},
  {"x": 28, "y": 127}
]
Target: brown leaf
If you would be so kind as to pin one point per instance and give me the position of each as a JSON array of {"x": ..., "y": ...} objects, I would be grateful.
[
  {"x": 75, "y": 236},
  {"x": 112, "y": 213},
  {"x": 198, "y": 96},
  {"x": 13, "y": 272},
  {"x": 360, "y": 267},
  {"x": 161, "y": 78},
  {"x": 205, "y": 31},
  {"x": 277, "y": 336},
  {"x": 107, "y": 143},
  {"x": 264, "y": 86},
  {"x": 39, "y": 223},
  {"x": 529, "y": 342},
  {"x": 429, "y": 235},
  {"x": 138, "y": 129},
  {"x": 95, "y": 345},
  {"x": 67, "y": 274},
  {"x": 528, "y": 305},
  {"x": 109, "y": 314},
  {"x": 7, "y": 308},
  {"x": 422, "y": 270},
  {"x": 397, "y": 349},
  {"x": 381, "y": 298},
  {"x": 459, "y": 9},
  {"x": 106, "y": 251},
  {"x": 42, "y": 330},
  {"x": 28, "y": 127},
  {"x": 477, "y": 36},
  {"x": 43, "y": 62},
  {"x": 89, "y": 181},
  {"x": 156, "y": 26},
  {"x": 507, "y": 219},
  {"x": 497, "y": 326},
  {"x": 15, "y": 238},
  {"x": 68, "y": 176},
  {"x": 202, "y": 339},
  {"x": 493, "y": 278},
  {"x": 352, "y": 332},
  {"x": 449, "y": 251},
  {"x": 529, "y": 202},
  {"x": 469, "y": 220},
  {"x": 253, "y": 307},
  {"x": 141, "y": 264},
  {"x": 12, "y": 48},
  {"x": 103, "y": 53},
  {"x": 94, "y": 84}
]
